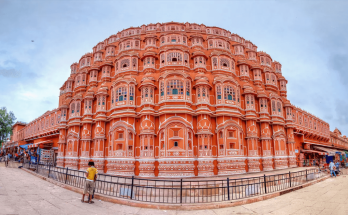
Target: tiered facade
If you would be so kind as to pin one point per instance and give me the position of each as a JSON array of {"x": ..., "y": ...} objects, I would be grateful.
[{"x": 177, "y": 100}]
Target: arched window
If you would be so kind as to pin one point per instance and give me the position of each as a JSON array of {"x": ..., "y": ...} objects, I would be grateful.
[
  {"x": 186, "y": 58},
  {"x": 218, "y": 92},
  {"x": 162, "y": 88},
  {"x": 162, "y": 59},
  {"x": 229, "y": 93},
  {"x": 121, "y": 94},
  {"x": 279, "y": 108},
  {"x": 131, "y": 93},
  {"x": 174, "y": 57},
  {"x": 78, "y": 107},
  {"x": 134, "y": 62},
  {"x": 274, "y": 80},
  {"x": 125, "y": 63},
  {"x": 224, "y": 62},
  {"x": 188, "y": 88},
  {"x": 72, "y": 107},
  {"x": 175, "y": 87}
]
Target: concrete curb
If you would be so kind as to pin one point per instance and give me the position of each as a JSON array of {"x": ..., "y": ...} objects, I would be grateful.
[{"x": 197, "y": 206}]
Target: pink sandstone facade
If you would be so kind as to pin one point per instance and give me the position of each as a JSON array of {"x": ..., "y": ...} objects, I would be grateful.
[{"x": 177, "y": 100}]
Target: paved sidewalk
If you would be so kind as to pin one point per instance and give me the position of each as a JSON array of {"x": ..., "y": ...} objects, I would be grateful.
[{"x": 23, "y": 193}]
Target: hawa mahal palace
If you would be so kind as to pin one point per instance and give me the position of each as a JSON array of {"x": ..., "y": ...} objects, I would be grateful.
[{"x": 177, "y": 100}]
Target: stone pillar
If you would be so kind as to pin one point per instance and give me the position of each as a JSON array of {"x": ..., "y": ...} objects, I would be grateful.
[
  {"x": 291, "y": 147},
  {"x": 99, "y": 145},
  {"x": 85, "y": 146},
  {"x": 253, "y": 146},
  {"x": 61, "y": 148},
  {"x": 267, "y": 155},
  {"x": 146, "y": 152},
  {"x": 205, "y": 146}
]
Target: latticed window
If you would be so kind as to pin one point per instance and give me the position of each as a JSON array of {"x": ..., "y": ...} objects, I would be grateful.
[
  {"x": 244, "y": 70},
  {"x": 121, "y": 94},
  {"x": 214, "y": 61},
  {"x": 279, "y": 107},
  {"x": 162, "y": 88},
  {"x": 134, "y": 62},
  {"x": 186, "y": 58},
  {"x": 273, "y": 106},
  {"x": 188, "y": 88},
  {"x": 145, "y": 92},
  {"x": 274, "y": 79},
  {"x": 199, "y": 92},
  {"x": 162, "y": 58},
  {"x": 72, "y": 107},
  {"x": 78, "y": 107},
  {"x": 175, "y": 87},
  {"x": 204, "y": 93},
  {"x": 229, "y": 93},
  {"x": 218, "y": 92},
  {"x": 174, "y": 57},
  {"x": 124, "y": 63},
  {"x": 224, "y": 62},
  {"x": 131, "y": 93}
]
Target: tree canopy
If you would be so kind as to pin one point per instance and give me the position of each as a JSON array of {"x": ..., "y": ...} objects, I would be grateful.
[{"x": 7, "y": 119}]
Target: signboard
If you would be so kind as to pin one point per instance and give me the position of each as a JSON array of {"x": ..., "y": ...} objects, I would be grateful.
[
  {"x": 46, "y": 155},
  {"x": 296, "y": 150}
]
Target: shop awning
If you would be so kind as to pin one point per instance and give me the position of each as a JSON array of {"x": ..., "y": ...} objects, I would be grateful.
[
  {"x": 330, "y": 152},
  {"x": 314, "y": 151},
  {"x": 35, "y": 145},
  {"x": 25, "y": 146}
]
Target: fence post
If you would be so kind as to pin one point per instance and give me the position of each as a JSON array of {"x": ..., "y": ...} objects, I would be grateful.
[
  {"x": 306, "y": 175},
  {"x": 290, "y": 178},
  {"x": 264, "y": 181},
  {"x": 66, "y": 174},
  {"x": 49, "y": 171},
  {"x": 228, "y": 188},
  {"x": 181, "y": 191},
  {"x": 132, "y": 187}
]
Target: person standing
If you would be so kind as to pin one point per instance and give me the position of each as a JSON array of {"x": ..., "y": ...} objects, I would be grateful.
[
  {"x": 91, "y": 176},
  {"x": 6, "y": 160},
  {"x": 337, "y": 167},
  {"x": 332, "y": 166}
]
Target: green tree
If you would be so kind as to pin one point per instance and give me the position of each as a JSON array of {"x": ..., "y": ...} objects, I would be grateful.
[{"x": 7, "y": 119}]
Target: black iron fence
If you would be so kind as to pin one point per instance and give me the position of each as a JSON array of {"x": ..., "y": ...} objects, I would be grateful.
[{"x": 180, "y": 191}]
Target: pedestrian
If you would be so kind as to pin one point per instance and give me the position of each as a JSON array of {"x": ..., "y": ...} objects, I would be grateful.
[
  {"x": 91, "y": 176},
  {"x": 6, "y": 160},
  {"x": 332, "y": 167},
  {"x": 337, "y": 167}
]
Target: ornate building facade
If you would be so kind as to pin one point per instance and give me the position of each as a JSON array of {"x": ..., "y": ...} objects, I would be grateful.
[{"x": 177, "y": 100}]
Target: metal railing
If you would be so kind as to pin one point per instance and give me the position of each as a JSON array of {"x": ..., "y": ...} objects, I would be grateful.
[{"x": 179, "y": 191}]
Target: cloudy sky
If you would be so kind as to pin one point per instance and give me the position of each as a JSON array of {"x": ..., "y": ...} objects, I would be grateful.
[{"x": 309, "y": 38}]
